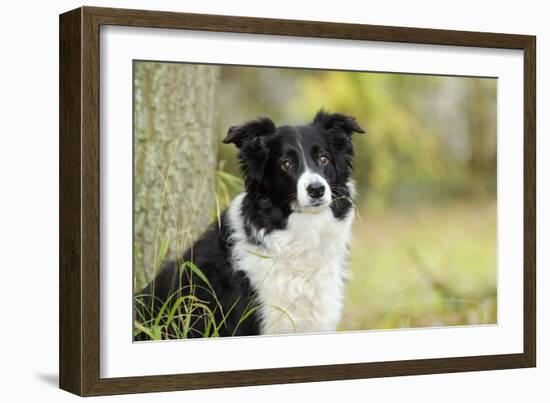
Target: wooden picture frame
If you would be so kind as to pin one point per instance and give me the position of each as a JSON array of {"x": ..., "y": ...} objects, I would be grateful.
[{"x": 79, "y": 347}]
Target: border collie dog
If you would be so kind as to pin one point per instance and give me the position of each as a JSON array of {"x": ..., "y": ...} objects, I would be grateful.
[{"x": 277, "y": 257}]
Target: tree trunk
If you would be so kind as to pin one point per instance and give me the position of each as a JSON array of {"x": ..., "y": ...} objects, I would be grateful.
[{"x": 175, "y": 154}]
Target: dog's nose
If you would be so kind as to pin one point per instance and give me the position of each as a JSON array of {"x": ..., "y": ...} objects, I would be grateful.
[{"x": 316, "y": 190}]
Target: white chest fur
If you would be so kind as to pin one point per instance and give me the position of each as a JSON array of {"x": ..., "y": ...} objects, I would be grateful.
[{"x": 298, "y": 273}]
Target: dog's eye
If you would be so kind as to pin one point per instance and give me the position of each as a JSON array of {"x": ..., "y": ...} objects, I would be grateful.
[
  {"x": 286, "y": 165},
  {"x": 323, "y": 160}
]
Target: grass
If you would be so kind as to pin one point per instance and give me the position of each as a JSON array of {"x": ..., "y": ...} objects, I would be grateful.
[
  {"x": 423, "y": 267},
  {"x": 184, "y": 313}
]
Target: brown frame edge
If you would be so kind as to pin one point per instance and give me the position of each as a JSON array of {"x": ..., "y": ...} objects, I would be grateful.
[{"x": 79, "y": 200}]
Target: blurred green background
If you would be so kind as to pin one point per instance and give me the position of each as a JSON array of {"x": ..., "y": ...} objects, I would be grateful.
[{"x": 424, "y": 244}]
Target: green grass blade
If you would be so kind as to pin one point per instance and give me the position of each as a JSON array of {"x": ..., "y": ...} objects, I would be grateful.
[
  {"x": 243, "y": 318},
  {"x": 198, "y": 272}
]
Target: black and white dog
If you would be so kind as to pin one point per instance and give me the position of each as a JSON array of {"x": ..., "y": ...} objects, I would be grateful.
[{"x": 282, "y": 245}]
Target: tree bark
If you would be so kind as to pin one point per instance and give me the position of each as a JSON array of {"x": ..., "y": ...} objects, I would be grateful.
[{"x": 175, "y": 154}]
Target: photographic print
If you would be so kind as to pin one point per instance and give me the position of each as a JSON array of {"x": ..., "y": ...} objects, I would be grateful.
[
  {"x": 339, "y": 201},
  {"x": 272, "y": 200}
]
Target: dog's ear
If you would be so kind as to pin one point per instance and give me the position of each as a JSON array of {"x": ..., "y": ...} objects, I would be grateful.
[
  {"x": 250, "y": 140},
  {"x": 239, "y": 135},
  {"x": 339, "y": 129},
  {"x": 337, "y": 122},
  {"x": 252, "y": 157}
]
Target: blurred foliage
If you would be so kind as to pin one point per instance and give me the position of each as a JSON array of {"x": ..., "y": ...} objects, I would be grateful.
[
  {"x": 429, "y": 138},
  {"x": 424, "y": 246}
]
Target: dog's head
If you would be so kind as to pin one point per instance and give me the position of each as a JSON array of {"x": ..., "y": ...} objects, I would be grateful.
[{"x": 301, "y": 167}]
